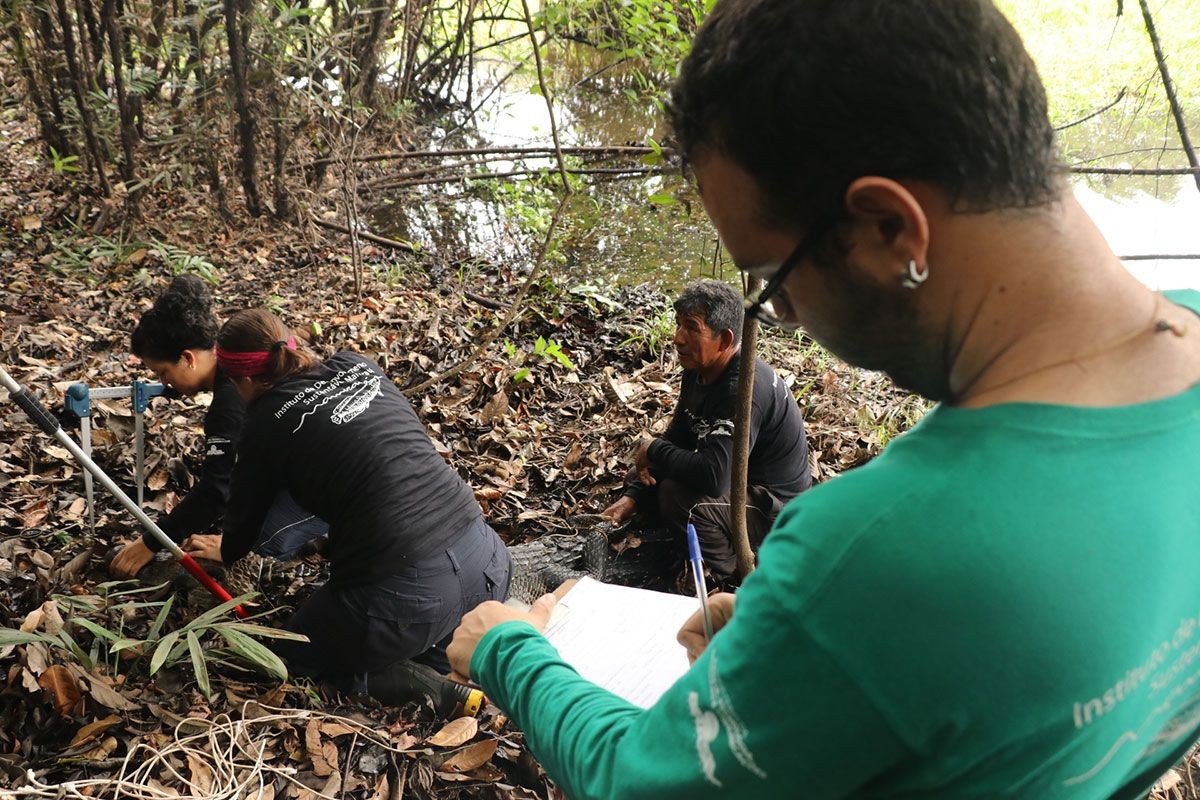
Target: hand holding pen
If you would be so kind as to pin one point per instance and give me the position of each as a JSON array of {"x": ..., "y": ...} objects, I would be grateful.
[{"x": 714, "y": 611}]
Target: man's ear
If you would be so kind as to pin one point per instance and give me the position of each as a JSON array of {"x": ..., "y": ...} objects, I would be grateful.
[
  {"x": 726, "y": 339},
  {"x": 888, "y": 228}
]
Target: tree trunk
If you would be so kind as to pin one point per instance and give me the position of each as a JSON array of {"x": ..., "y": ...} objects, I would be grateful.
[
  {"x": 52, "y": 136},
  {"x": 247, "y": 149},
  {"x": 208, "y": 157},
  {"x": 54, "y": 74},
  {"x": 96, "y": 37},
  {"x": 87, "y": 119},
  {"x": 740, "y": 469},
  {"x": 115, "y": 30}
]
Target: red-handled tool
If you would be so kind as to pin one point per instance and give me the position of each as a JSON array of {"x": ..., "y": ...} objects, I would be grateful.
[{"x": 49, "y": 424}]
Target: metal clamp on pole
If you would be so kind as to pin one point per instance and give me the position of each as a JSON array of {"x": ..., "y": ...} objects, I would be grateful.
[{"x": 79, "y": 402}]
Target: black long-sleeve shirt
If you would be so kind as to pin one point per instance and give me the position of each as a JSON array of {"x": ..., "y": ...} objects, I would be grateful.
[
  {"x": 201, "y": 508},
  {"x": 351, "y": 450},
  {"x": 697, "y": 448}
]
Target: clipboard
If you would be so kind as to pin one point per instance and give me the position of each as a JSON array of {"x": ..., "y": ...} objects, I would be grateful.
[{"x": 621, "y": 638}]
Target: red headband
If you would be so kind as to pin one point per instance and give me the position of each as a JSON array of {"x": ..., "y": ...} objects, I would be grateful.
[{"x": 249, "y": 364}]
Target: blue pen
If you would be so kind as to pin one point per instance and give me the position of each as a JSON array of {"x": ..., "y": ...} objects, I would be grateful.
[{"x": 698, "y": 572}]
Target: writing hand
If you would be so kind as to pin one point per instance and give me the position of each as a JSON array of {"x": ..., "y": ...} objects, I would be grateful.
[{"x": 691, "y": 635}]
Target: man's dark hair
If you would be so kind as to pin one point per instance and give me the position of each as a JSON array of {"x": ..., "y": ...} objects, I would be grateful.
[
  {"x": 719, "y": 304},
  {"x": 180, "y": 319},
  {"x": 809, "y": 95}
]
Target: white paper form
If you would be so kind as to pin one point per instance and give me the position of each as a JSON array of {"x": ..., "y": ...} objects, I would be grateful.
[{"x": 622, "y": 638}]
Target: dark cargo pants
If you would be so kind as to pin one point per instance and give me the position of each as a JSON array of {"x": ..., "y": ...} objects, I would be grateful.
[{"x": 357, "y": 630}]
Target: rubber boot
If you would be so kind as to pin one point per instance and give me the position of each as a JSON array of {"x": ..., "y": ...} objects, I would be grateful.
[{"x": 409, "y": 682}]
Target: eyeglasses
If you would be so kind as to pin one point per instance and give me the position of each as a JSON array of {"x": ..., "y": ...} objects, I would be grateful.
[{"x": 762, "y": 306}]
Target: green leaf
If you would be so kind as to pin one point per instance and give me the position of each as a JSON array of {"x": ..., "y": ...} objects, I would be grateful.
[
  {"x": 254, "y": 652},
  {"x": 73, "y": 647},
  {"x": 12, "y": 636},
  {"x": 124, "y": 644},
  {"x": 520, "y": 375},
  {"x": 663, "y": 199},
  {"x": 206, "y": 619},
  {"x": 87, "y": 624},
  {"x": 261, "y": 630},
  {"x": 162, "y": 651},
  {"x": 198, "y": 665},
  {"x": 156, "y": 627}
]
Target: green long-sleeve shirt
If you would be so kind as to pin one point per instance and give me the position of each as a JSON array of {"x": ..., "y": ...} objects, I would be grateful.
[{"x": 1004, "y": 603}]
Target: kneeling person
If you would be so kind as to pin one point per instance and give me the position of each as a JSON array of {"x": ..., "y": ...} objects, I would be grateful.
[
  {"x": 684, "y": 475},
  {"x": 409, "y": 549}
]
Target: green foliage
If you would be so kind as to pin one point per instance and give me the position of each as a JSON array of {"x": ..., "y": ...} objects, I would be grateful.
[
  {"x": 63, "y": 164},
  {"x": 80, "y": 252},
  {"x": 102, "y": 617},
  {"x": 181, "y": 262},
  {"x": 542, "y": 350},
  {"x": 653, "y": 334},
  {"x": 652, "y": 36},
  {"x": 550, "y": 349}
]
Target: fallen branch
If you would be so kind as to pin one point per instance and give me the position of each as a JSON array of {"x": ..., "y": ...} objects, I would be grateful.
[
  {"x": 1132, "y": 171},
  {"x": 630, "y": 150},
  {"x": 459, "y": 168},
  {"x": 489, "y": 176},
  {"x": 1172, "y": 257},
  {"x": 370, "y": 237}
]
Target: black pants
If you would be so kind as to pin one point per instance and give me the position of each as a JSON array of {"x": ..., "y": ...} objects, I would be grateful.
[
  {"x": 679, "y": 504},
  {"x": 357, "y": 630}
]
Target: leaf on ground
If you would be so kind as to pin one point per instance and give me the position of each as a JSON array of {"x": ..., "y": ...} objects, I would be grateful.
[
  {"x": 336, "y": 729},
  {"x": 107, "y": 696},
  {"x": 201, "y": 776},
  {"x": 57, "y": 681},
  {"x": 103, "y": 750},
  {"x": 456, "y": 732},
  {"x": 35, "y": 514},
  {"x": 93, "y": 729},
  {"x": 322, "y": 754},
  {"x": 37, "y": 657},
  {"x": 471, "y": 756}
]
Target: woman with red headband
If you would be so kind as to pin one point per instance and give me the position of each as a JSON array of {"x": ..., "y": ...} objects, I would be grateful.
[
  {"x": 176, "y": 340},
  {"x": 409, "y": 549}
]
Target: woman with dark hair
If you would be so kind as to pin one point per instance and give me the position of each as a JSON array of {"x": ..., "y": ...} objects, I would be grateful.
[
  {"x": 176, "y": 340},
  {"x": 409, "y": 549}
]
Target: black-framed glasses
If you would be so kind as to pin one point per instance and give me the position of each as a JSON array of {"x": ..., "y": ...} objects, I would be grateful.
[{"x": 763, "y": 305}]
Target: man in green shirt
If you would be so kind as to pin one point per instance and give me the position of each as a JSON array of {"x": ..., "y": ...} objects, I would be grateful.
[{"x": 1004, "y": 603}]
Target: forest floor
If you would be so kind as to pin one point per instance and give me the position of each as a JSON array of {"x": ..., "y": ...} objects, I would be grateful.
[{"x": 85, "y": 709}]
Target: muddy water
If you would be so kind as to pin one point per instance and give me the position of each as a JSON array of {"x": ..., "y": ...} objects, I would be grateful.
[{"x": 618, "y": 236}]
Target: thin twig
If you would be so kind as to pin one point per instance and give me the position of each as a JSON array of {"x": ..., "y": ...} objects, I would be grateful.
[
  {"x": 1120, "y": 96},
  {"x": 537, "y": 59},
  {"x": 1169, "y": 87}
]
